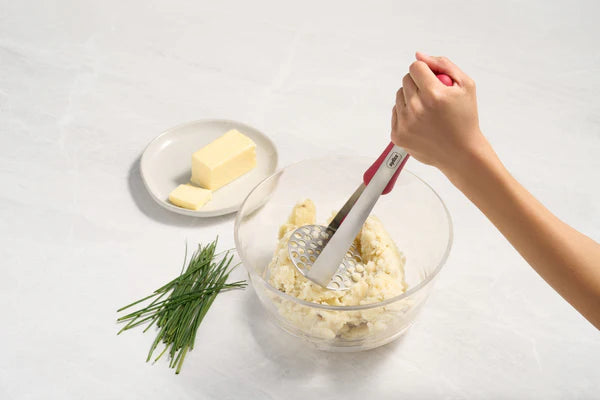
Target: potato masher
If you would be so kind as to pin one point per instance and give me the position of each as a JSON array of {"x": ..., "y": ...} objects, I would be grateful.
[{"x": 326, "y": 254}]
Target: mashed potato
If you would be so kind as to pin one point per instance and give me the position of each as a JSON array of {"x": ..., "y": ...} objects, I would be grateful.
[{"x": 383, "y": 278}]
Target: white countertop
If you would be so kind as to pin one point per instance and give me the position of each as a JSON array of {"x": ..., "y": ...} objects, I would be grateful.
[{"x": 84, "y": 86}]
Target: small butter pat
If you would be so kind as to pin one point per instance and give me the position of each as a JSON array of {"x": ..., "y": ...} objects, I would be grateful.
[
  {"x": 223, "y": 160},
  {"x": 190, "y": 197}
]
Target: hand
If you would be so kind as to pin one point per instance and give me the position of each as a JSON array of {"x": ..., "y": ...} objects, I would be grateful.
[{"x": 437, "y": 124}]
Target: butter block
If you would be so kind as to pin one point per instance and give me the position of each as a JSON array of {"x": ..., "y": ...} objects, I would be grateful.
[
  {"x": 223, "y": 160},
  {"x": 190, "y": 197}
]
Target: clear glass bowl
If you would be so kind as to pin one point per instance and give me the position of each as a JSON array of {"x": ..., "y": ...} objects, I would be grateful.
[{"x": 413, "y": 214}]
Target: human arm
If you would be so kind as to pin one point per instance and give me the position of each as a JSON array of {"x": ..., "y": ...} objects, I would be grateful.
[{"x": 439, "y": 125}]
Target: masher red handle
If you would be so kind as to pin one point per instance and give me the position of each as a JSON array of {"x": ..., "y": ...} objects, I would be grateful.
[{"x": 369, "y": 173}]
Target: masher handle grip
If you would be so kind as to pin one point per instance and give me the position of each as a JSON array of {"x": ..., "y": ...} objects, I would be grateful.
[{"x": 401, "y": 153}]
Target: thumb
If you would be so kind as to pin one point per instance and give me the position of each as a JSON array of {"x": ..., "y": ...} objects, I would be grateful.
[{"x": 442, "y": 65}]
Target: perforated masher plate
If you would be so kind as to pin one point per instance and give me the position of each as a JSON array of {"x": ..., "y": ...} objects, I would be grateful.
[{"x": 305, "y": 245}]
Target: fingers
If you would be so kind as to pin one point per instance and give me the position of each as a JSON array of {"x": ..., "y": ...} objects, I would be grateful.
[
  {"x": 410, "y": 88},
  {"x": 400, "y": 99},
  {"x": 442, "y": 65},
  {"x": 422, "y": 75},
  {"x": 398, "y": 135}
]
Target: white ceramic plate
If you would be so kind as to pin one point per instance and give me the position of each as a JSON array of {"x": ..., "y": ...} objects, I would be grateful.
[{"x": 167, "y": 162}]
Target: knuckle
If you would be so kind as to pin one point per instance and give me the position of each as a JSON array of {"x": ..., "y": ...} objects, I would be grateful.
[
  {"x": 415, "y": 105},
  {"x": 400, "y": 97},
  {"x": 413, "y": 67},
  {"x": 419, "y": 115},
  {"x": 436, "y": 96},
  {"x": 470, "y": 83},
  {"x": 433, "y": 98},
  {"x": 403, "y": 115}
]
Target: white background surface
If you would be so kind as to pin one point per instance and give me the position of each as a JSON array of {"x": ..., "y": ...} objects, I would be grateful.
[{"x": 85, "y": 85}]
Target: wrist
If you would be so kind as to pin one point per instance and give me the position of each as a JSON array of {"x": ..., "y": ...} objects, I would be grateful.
[{"x": 471, "y": 163}]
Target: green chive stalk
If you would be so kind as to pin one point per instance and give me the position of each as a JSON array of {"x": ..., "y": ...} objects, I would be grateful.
[{"x": 178, "y": 308}]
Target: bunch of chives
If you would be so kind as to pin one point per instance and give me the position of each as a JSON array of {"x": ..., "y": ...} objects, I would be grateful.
[{"x": 190, "y": 295}]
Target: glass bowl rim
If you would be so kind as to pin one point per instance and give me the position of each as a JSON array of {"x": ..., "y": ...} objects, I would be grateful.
[{"x": 408, "y": 293}]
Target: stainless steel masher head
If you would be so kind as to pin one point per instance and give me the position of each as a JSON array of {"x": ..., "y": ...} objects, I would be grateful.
[{"x": 305, "y": 245}]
